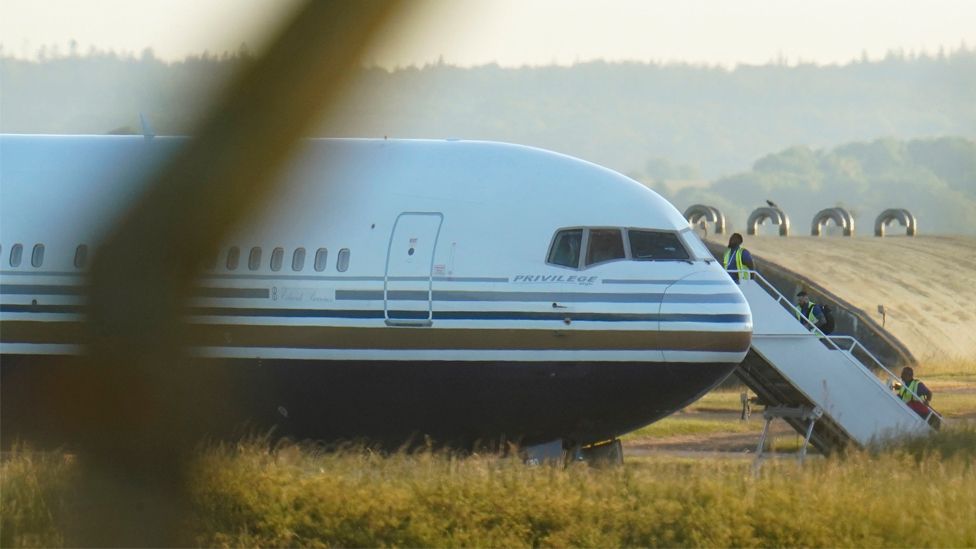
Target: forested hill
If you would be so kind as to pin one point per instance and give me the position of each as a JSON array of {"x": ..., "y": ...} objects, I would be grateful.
[
  {"x": 635, "y": 118},
  {"x": 654, "y": 122},
  {"x": 934, "y": 178}
]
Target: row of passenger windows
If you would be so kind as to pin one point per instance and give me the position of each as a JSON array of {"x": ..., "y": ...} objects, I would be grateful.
[
  {"x": 608, "y": 244},
  {"x": 233, "y": 257},
  {"x": 17, "y": 255}
]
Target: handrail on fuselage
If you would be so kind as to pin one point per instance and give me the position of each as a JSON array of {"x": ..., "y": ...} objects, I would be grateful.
[{"x": 832, "y": 342}]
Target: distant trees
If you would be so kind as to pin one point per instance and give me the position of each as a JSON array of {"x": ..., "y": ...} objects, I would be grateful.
[
  {"x": 659, "y": 123},
  {"x": 934, "y": 178}
]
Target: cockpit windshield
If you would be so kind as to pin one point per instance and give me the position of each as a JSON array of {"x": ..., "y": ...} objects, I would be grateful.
[
  {"x": 603, "y": 244},
  {"x": 695, "y": 244},
  {"x": 565, "y": 249},
  {"x": 656, "y": 246}
]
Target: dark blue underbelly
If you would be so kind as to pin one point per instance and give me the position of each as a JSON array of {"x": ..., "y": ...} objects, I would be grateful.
[{"x": 387, "y": 403}]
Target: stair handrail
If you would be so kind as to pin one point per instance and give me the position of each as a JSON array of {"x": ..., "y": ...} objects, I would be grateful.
[
  {"x": 818, "y": 333},
  {"x": 855, "y": 344}
]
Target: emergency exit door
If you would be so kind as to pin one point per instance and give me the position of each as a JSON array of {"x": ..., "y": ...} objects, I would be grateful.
[{"x": 409, "y": 263}]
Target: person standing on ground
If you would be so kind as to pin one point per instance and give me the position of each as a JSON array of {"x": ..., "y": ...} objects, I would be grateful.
[
  {"x": 810, "y": 314},
  {"x": 737, "y": 260}
]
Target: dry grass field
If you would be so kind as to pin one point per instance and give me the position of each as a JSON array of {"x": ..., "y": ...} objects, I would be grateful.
[
  {"x": 687, "y": 482},
  {"x": 299, "y": 496}
]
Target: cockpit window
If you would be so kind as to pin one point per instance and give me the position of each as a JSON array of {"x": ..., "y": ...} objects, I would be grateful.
[
  {"x": 695, "y": 244},
  {"x": 604, "y": 245},
  {"x": 566, "y": 248},
  {"x": 656, "y": 246}
]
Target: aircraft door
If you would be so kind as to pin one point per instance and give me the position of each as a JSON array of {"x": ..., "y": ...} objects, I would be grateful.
[{"x": 408, "y": 282}]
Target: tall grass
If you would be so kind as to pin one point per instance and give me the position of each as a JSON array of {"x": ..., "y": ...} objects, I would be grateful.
[
  {"x": 33, "y": 487},
  {"x": 296, "y": 495},
  {"x": 957, "y": 441}
]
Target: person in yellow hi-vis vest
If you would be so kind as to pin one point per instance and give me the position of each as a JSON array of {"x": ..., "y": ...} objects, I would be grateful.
[
  {"x": 737, "y": 260},
  {"x": 919, "y": 401},
  {"x": 809, "y": 313}
]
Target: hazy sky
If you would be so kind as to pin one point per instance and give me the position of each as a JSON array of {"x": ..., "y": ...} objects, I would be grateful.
[{"x": 517, "y": 32}]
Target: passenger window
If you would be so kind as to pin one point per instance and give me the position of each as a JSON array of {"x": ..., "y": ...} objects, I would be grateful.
[
  {"x": 566, "y": 248},
  {"x": 16, "y": 254},
  {"x": 37, "y": 256},
  {"x": 277, "y": 255},
  {"x": 81, "y": 256},
  {"x": 233, "y": 257},
  {"x": 605, "y": 245},
  {"x": 254, "y": 259},
  {"x": 298, "y": 260},
  {"x": 656, "y": 246},
  {"x": 321, "y": 258},
  {"x": 343, "y": 262}
]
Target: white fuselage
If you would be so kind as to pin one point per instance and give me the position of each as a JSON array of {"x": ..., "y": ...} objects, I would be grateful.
[{"x": 389, "y": 252}]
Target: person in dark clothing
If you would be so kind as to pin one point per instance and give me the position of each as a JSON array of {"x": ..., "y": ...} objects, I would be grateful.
[
  {"x": 737, "y": 260},
  {"x": 810, "y": 314}
]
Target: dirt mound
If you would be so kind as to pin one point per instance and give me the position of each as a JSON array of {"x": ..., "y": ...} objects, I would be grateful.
[{"x": 926, "y": 284}]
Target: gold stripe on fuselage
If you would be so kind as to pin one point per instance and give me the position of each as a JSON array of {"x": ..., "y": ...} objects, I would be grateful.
[{"x": 333, "y": 337}]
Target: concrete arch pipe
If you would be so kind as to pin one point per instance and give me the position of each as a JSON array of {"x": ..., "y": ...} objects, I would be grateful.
[
  {"x": 775, "y": 215},
  {"x": 700, "y": 212},
  {"x": 839, "y": 216},
  {"x": 901, "y": 215}
]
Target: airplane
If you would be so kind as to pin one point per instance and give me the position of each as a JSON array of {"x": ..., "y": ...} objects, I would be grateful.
[{"x": 464, "y": 291}]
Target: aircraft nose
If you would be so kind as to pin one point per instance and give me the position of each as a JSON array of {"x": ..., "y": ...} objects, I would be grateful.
[{"x": 708, "y": 318}]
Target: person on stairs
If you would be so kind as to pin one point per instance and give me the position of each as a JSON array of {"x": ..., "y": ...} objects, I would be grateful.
[
  {"x": 919, "y": 401},
  {"x": 737, "y": 260},
  {"x": 809, "y": 314}
]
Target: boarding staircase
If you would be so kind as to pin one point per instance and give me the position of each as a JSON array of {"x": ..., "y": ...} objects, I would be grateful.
[{"x": 819, "y": 384}]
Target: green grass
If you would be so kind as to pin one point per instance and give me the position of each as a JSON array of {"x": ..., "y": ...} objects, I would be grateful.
[
  {"x": 958, "y": 439},
  {"x": 682, "y": 425},
  {"x": 720, "y": 400},
  {"x": 245, "y": 495},
  {"x": 954, "y": 404}
]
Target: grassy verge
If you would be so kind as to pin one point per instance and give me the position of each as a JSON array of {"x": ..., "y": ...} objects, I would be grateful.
[
  {"x": 954, "y": 404},
  {"x": 299, "y": 496},
  {"x": 721, "y": 400},
  {"x": 949, "y": 369},
  {"x": 685, "y": 425}
]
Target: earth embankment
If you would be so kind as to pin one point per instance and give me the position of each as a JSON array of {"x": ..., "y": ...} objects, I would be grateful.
[{"x": 926, "y": 284}]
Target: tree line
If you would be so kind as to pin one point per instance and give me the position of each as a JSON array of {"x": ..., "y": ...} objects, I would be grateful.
[{"x": 659, "y": 123}]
